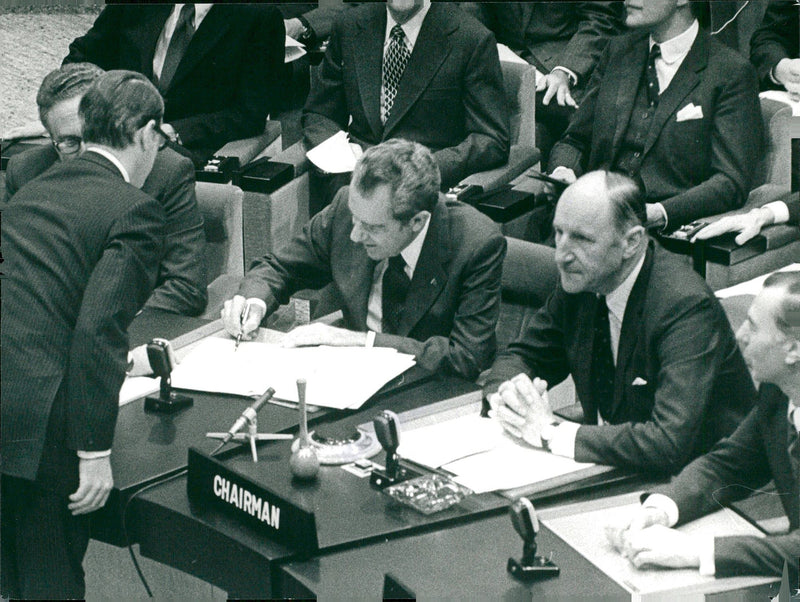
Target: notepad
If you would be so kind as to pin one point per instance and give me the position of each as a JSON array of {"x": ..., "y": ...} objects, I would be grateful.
[{"x": 337, "y": 377}]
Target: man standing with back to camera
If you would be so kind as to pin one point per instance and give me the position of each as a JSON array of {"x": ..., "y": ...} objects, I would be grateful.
[{"x": 81, "y": 246}]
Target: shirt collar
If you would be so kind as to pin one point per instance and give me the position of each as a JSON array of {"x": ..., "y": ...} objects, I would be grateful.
[
  {"x": 411, "y": 253},
  {"x": 411, "y": 27},
  {"x": 676, "y": 49},
  {"x": 617, "y": 299},
  {"x": 794, "y": 417},
  {"x": 90, "y": 148},
  {"x": 200, "y": 12}
]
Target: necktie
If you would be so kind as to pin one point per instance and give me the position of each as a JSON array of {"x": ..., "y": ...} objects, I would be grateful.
[
  {"x": 602, "y": 361},
  {"x": 652, "y": 77},
  {"x": 184, "y": 30},
  {"x": 393, "y": 295},
  {"x": 394, "y": 63}
]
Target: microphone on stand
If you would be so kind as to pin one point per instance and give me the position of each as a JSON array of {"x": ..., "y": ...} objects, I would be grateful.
[{"x": 248, "y": 414}]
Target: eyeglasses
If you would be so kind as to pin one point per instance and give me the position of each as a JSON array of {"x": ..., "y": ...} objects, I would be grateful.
[{"x": 68, "y": 145}]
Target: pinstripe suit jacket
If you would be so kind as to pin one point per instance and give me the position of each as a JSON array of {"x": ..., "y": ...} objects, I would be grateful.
[{"x": 81, "y": 250}]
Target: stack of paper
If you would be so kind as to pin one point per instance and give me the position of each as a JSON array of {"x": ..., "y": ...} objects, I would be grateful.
[
  {"x": 336, "y": 377},
  {"x": 481, "y": 456}
]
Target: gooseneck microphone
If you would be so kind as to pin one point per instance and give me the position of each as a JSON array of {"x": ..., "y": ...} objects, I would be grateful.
[{"x": 248, "y": 414}]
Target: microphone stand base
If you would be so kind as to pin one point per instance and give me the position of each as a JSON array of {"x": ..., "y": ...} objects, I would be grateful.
[
  {"x": 173, "y": 404},
  {"x": 541, "y": 568}
]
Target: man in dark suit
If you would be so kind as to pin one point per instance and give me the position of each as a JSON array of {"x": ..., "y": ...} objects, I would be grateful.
[
  {"x": 81, "y": 246},
  {"x": 181, "y": 283},
  {"x": 445, "y": 90},
  {"x": 411, "y": 270},
  {"x": 763, "y": 448},
  {"x": 775, "y": 47},
  {"x": 670, "y": 105},
  {"x": 655, "y": 363},
  {"x": 563, "y": 40},
  {"x": 219, "y": 67}
]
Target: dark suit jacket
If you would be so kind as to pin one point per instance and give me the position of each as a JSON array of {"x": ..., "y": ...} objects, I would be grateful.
[
  {"x": 452, "y": 304},
  {"x": 695, "y": 167},
  {"x": 450, "y": 98},
  {"x": 777, "y": 38},
  {"x": 756, "y": 453},
  {"x": 556, "y": 33},
  {"x": 680, "y": 383},
  {"x": 181, "y": 283},
  {"x": 81, "y": 248},
  {"x": 228, "y": 80}
]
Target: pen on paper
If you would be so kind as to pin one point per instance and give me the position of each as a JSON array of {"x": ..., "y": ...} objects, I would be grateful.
[{"x": 242, "y": 320}]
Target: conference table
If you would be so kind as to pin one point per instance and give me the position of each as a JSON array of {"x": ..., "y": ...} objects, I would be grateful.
[{"x": 363, "y": 535}]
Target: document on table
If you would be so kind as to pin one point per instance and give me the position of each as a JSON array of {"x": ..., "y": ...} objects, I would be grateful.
[
  {"x": 136, "y": 387},
  {"x": 583, "y": 525},
  {"x": 336, "y": 377},
  {"x": 481, "y": 456},
  {"x": 334, "y": 155}
]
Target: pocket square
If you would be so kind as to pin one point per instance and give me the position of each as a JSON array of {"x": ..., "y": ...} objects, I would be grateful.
[
  {"x": 690, "y": 111},
  {"x": 638, "y": 382}
]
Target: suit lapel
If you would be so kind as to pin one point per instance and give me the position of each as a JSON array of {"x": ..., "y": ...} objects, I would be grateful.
[
  {"x": 215, "y": 24},
  {"x": 368, "y": 53},
  {"x": 632, "y": 329},
  {"x": 626, "y": 82},
  {"x": 430, "y": 274},
  {"x": 430, "y": 51},
  {"x": 685, "y": 80},
  {"x": 151, "y": 30}
]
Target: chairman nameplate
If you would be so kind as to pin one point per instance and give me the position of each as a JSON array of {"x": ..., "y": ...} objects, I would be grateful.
[{"x": 211, "y": 483}]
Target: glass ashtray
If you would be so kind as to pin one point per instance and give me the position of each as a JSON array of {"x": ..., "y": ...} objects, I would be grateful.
[{"x": 429, "y": 493}]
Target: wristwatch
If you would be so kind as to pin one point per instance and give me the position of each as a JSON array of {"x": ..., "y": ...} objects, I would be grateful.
[{"x": 548, "y": 431}]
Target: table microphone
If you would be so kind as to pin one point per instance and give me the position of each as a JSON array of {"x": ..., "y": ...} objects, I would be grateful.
[{"x": 248, "y": 414}]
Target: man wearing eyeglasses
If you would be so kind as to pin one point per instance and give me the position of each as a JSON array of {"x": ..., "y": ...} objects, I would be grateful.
[
  {"x": 412, "y": 271},
  {"x": 81, "y": 245},
  {"x": 181, "y": 285}
]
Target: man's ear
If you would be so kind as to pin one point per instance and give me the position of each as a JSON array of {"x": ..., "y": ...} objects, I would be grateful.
[
  {"x": 792, "y": 348},
  {"x": 419, "y": 220},
  {"x": 633, "y": 240}
]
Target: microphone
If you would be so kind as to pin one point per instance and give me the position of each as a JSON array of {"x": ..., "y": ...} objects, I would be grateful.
[{"x": 248, "y": 414}]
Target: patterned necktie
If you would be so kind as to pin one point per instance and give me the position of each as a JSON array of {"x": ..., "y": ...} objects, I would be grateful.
[
  {"x": 393, "y": 295},
  {"x": 394, "y": 63},
  {"x": 652, "y": 76},
  {"x": 184, "y": 30},
  {"x": 602, "y": 361}
]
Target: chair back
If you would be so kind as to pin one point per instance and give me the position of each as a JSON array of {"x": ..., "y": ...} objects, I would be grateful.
[
  {"x": 775, "y": 165},
  {"x": 519, "y": 80}
]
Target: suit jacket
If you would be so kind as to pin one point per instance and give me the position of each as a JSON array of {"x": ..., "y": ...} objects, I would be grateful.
[
  {"x": 551, "y": 34},
  {"x": 181, "y": 283},
  {"x": 227, "y": 82},
  {"x": 450, "y": 98},
  {"x": 756, "y": 453},
  {"x": 694, "y": 167},
  {"x": 453, "y": 301},
  {"x": 777, "y": 38},
  {"x": 81, "y": 248},
  {"x": 680, "y": 382}
]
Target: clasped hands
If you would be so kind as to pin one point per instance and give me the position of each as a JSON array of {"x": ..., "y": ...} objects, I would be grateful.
[
  {"x": 646, "y": 541},
  {"x": 522, "y": 408},
  {"x": 302, "y": 336}
]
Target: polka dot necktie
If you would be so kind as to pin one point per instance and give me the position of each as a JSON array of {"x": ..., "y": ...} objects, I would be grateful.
[
  {"x": 652, "y": 77},
  {"x": 394, "y": 63}
]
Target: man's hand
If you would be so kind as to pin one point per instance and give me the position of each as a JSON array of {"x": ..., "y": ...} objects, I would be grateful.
[
  {"x": 522, "y": 407},
  {"x": 660, "y": 546},
  {"x": 787, "y": 71},
  {"x": 94, "y": 485},
  {"x": 644, "y": 517},
  {"x": 558, "y": 85},
  {"x": 141, "y": 363},
  {"x": 32, "y": 129},
  {"x": 232, "y": 318},
  {"x": 747, "y": 224},
  {"x": 323, "y": 334},
  {"x": 294, "y": 27},
  {"x": 655, "y": 217}
]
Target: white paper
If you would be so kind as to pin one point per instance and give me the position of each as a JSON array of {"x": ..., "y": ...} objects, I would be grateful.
[
  {"x": 782, "y": 96},
  {"x": 336, "y": 377},
  {"x": 293, "y": 50},
  {"x": 437, "y": 444},
  {"x": 509, "y": 56},
  {"x": 136, "y": 387},
  {"x": 752, "y": 287},
  {"x": 335, "y": 155}
]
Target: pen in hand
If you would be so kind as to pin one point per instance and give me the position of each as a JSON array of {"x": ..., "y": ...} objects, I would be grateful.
[{"x": 242, "y": 320}]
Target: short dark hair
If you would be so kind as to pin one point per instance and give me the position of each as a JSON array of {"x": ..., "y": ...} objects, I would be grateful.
[
  {"x": 788, "y": 318},
  {"x": 117, "y": 105},
  {"x": 410, "y": 171},
  {"x": 66, "y": 82},
  {"x": 627, "y": 201}
]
